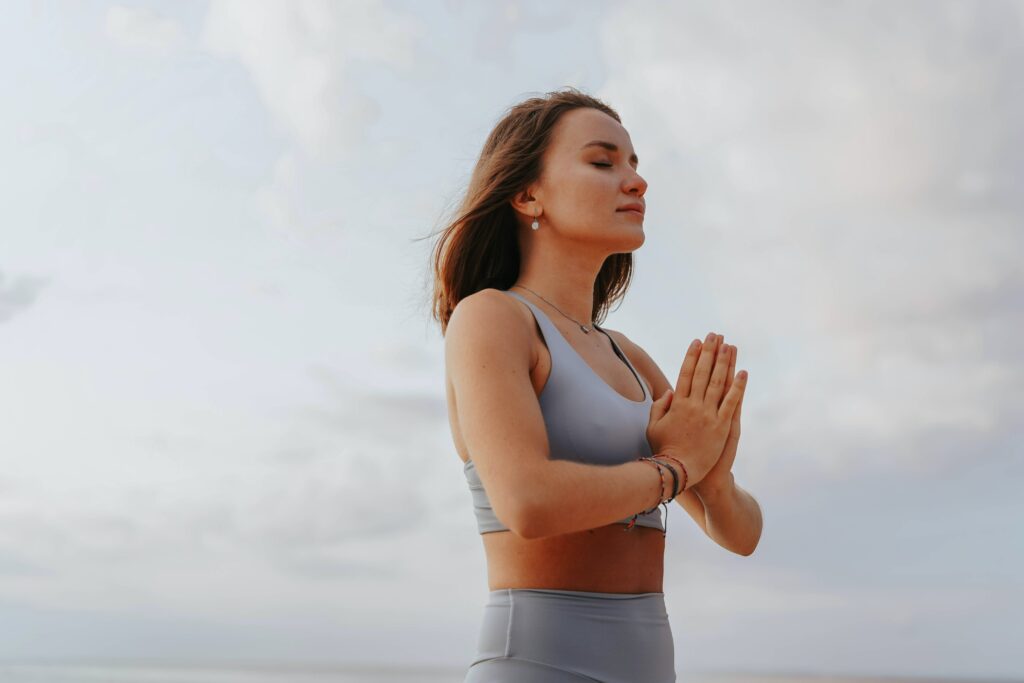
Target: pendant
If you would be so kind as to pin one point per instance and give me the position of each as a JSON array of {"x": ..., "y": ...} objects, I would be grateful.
[{"x": 585, "y": 329}]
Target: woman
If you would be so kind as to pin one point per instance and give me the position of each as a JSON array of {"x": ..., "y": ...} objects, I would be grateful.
[{"x": 553, "y": 416}]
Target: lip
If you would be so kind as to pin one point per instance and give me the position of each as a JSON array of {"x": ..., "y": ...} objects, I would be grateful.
[{"x": 634, "y": 208}]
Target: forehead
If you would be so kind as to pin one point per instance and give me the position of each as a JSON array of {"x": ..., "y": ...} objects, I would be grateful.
[{"x": 579, "y": 126}]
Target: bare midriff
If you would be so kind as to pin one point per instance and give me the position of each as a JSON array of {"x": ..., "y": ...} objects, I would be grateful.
[{"x": 607, "y": 559}]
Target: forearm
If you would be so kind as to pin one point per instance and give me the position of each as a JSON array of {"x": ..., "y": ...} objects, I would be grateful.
[
  {"x": 732, "y": 517},
  {"x": 576, "y": 496}
]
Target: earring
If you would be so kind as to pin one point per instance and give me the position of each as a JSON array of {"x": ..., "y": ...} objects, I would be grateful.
[{"x": 536, "y": 224}]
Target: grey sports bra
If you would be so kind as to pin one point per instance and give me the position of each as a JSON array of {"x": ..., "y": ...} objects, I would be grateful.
[{"x": 586, "y": 420}]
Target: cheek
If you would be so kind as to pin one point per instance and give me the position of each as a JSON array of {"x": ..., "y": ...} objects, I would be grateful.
[
  {"x": 584, "y": 195},
  {"x": 583, "y": 204},
  {"x": 592, "y": 190}
]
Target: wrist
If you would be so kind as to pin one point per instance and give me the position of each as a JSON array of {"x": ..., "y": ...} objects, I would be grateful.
[
  {"x": 676, "y": 462},
  {"x": 711, "y": 490},
  {"x": 680, "y": 475}
]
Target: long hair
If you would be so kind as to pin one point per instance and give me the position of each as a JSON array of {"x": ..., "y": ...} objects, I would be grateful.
[{"x": 478, "y": 248}]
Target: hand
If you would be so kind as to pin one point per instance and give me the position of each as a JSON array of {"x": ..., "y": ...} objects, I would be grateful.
[
  {"x": 720, "y": 477},
  {"x": 692, "y": 423}
]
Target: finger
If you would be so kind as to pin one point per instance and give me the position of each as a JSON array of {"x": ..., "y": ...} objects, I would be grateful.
[
  {"x": 732, "y": 367},
  {"x": 735, "y": 395},
  {"x": 702, "y": 373},
  {"x": 716, "y": 385},
  {"x": 738, "y": 414},
  {"x": 739, "y": 404},
  {"x": 733, "y": 355},
  {"x": 686, "y": 371}
]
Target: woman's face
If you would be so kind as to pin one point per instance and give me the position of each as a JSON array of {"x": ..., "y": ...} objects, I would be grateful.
[{"x": 584, "y": 186}]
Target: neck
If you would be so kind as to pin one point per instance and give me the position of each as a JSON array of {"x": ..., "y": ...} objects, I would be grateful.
[
  {"x": 562, "y": 271},
  {"x": 573, "y": 296}
]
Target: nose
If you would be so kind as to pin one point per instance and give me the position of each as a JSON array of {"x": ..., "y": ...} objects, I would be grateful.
[{"x": 636, "y": 184}]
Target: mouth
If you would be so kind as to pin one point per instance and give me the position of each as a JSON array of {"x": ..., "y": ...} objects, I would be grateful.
[{"x": 632, "y": 211}]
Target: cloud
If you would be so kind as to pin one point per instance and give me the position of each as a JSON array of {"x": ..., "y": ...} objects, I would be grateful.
[
  {"x": 848, "y": 178},
  {"x": 18, "y": 294},
  {"x": 300, "y": 55},
  {"x": 142, "y": 29},
  {"x": 326, "y": 502}
]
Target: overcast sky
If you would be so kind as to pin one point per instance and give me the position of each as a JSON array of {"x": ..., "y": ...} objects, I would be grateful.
[{"x": 223, "y": 427}]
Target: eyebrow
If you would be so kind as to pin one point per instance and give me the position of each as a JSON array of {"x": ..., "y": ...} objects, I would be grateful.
[{"x": 610, "y": 146}]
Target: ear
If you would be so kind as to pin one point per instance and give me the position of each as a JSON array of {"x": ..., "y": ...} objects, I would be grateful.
[{"x": 526, "y": 204}]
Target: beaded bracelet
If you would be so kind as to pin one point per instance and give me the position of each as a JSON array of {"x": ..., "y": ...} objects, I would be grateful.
[
  {"x": 657, "y": 465},
  {"x": 675, "y": 492},
  {"x": 661, "y": 497},
  {"x": 661, "y": 494},
  {"x": 675, "y": 482},
  {"x": 686, "y": 475},
  {"x": 675, "y": 477}
]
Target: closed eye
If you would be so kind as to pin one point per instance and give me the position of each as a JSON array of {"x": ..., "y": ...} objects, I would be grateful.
[{"x": 602, "y": 165}]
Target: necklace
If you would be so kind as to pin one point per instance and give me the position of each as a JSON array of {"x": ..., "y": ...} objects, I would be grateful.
[{"x": 583, "y": 327}]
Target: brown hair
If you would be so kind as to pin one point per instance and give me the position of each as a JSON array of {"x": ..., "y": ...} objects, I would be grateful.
[{"x": 478, "y": 248}]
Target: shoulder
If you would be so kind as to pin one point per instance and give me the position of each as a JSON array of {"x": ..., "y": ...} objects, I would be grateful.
[
  {"x": 487, "y": 307},
  {"x": 642, "y": 361},
  {"x": 637, "y": 355},
  {"x": 489, "y": 318}
]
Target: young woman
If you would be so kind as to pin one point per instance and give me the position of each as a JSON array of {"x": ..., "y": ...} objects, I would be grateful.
[{"x": 565, "y": 450}]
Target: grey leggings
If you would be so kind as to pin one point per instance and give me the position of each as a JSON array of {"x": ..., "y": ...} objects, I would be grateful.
[{"x": 534, "y": 635}]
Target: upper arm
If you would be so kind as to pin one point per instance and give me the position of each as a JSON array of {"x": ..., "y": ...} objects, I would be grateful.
[
  {"x": 659, "y": 385},
  {"x": 488, "y": 359}
]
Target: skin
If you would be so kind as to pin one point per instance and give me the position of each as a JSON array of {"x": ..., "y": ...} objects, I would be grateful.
[{"x": 576, "y": 201}]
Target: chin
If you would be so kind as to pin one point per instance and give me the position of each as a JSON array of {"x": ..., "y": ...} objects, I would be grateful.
[{"x": 635, "y": 241}]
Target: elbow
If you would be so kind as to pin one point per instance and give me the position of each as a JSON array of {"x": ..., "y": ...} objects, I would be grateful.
[
  {"x": 528, "y": 522},
  {"x": 523, "y": 515},
  {"x": 748, "y": 553},
  {"x": 515, "y": 519}
]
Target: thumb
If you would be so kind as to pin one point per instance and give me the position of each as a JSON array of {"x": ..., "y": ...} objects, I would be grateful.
[{"x": 661, "y": 406}]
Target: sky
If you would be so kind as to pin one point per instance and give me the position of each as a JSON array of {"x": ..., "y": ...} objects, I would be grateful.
[{"x": 224, "y": 430}]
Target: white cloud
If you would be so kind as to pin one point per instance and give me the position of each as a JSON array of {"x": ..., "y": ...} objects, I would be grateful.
[
  {"x": 140, "y": 28},
  {"x": 18, "y": 294},
  {"x": 299, "y": 55},
  {"x": 836, "y": 169}
]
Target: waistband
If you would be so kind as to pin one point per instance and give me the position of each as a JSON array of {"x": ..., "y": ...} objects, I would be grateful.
[{"x": 575, "y": 594}]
